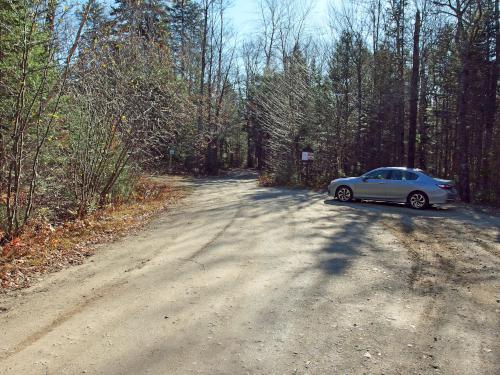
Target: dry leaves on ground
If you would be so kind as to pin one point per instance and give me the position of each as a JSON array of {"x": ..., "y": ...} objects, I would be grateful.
[{"x": 44, "y": 248}]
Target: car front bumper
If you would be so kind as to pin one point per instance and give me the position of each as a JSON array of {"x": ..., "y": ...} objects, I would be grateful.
[{"x": 331, "y": 189}]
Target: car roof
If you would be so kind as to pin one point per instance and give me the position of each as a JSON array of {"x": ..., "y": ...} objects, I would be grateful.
[{"x": 402, "y": 169}]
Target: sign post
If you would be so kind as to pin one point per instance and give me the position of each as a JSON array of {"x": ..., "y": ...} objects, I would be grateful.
[
  {"x": 307, "y": 159},
  {"x": 171, "y": 154}
]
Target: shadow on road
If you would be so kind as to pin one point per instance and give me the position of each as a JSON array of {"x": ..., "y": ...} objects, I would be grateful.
[
  {"x": 456, "y": 211},
  {"x": 301, "y": 210},
  {"x": 306, "y": 249},
  {"x": 230, "y": 177}
]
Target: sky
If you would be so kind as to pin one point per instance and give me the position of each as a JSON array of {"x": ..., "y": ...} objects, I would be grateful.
[{"x": 245, "y": 14}]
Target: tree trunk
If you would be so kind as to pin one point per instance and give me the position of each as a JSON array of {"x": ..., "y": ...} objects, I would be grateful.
[
  {"x": 491, "y": 110},
  {"x": 250, "y": 145},
  {"x": 423, "y": 128},
  {"x": 412, "y": 130},
  {"x": 203, "y": 66},
  {"x": 462, "y": 153},
  {"x": 400, "y": 100}
]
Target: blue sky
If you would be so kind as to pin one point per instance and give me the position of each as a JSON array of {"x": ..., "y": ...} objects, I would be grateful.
[{"x": 244, "y": 15}]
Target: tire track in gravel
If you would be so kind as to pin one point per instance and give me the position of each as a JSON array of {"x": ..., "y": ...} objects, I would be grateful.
[
  {"x": 429, "y": 278},
  {"x": 61, "y": 319},
  {"x": 215, "y": 238},
  {"x": 446, "y": 261}
]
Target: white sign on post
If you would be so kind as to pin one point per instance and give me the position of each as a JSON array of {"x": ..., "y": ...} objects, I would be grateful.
[
  {"x": 172, "y": 151},
  {"x": 307, "y": 156}
]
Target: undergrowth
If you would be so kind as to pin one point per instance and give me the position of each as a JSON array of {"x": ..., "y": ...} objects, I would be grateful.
[{"x": 45, "y": 247}]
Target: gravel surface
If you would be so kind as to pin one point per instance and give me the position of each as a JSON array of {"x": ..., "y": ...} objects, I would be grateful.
[{"x": 240, "y": 279}]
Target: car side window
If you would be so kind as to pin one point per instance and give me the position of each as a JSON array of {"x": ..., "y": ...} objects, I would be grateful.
[
  {"x": 380, "y": 174},
  {"x": 397, "y": 175},
  {"x": 410, "y": 176}
]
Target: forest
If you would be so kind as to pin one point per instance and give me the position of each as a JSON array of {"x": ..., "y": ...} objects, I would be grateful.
[{"x": 93, "y": 95}]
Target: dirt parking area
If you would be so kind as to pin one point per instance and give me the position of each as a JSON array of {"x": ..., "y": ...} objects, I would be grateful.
[{"x": 241, "y": 279}]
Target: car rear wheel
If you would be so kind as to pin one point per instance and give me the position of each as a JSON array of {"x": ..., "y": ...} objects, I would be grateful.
[
  {"x": 418, "y": 200},
  {"x": 344, "y": 194}
]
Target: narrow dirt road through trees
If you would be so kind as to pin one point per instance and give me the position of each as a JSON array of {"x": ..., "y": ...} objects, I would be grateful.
[{"x": 240, "y": 279}]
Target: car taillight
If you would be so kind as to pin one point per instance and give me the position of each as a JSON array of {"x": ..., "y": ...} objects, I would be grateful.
[{"x": 445, "y": 187}]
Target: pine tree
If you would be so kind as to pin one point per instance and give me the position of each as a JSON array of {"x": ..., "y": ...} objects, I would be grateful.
[
  {"x": 96, "y": 29},
  {"x": 10, "y": 28},
  {"x": 185, "y": 23},
  {"x": 147, "y": 19}
]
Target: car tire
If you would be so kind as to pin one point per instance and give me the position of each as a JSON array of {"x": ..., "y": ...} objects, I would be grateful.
[
  {"x": 344, "y": 193},
  {"x": 418, "y": 200}
]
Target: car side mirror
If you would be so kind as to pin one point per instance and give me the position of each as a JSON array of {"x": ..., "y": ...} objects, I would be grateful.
[{"x": 364, "y": 179}]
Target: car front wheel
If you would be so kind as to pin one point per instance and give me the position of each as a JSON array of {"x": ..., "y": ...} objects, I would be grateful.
[
  {"x": 344, "y": 194},
  {"x": 418, "y": 200}
]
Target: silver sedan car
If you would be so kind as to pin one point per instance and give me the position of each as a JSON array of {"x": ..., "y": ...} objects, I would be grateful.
[{"x": 395, "y": 184}]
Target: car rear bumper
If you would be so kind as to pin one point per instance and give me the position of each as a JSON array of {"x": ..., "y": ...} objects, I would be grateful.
[
  {"x": 443, "y": 197},
  {"x": 452, "y": 196}
]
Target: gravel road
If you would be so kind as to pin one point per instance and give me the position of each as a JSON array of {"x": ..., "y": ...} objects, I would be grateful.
[{"x": 239, "y": 279}]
